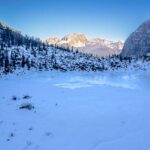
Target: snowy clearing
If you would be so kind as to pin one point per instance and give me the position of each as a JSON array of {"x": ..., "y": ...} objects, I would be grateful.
[{"x": 75, "y": 111}]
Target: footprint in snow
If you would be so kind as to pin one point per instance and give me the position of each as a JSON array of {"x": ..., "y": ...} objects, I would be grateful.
[
  {"x": 49, "y": 134},
  {"x": 10, "y": 136},
  {"x": 1, "y": 122},
  {"x": 30, "y": 129},
  {"x": 28, "y": 144},
  {"x": 36, "y": 147}
]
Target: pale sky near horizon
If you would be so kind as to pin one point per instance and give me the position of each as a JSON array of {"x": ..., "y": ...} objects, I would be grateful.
[{"x": 109, "y": 19}]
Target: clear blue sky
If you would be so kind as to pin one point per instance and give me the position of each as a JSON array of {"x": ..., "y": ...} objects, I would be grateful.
[{"x": 110, "y": 19}]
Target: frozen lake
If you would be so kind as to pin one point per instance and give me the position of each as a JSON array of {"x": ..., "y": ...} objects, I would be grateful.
[
  {"x": 76, "y": 111},
  {"x": 75, "y": 80}
]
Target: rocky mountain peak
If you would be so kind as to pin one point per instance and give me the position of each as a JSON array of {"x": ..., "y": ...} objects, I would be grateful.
[
  {"x": 138, "y": 43},
  {"x": 80, "y": 42}
]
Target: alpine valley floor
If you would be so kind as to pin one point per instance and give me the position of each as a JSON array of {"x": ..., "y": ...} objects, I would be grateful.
[{"x": 75, "y": 111}]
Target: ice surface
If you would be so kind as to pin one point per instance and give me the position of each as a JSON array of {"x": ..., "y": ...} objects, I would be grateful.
[{"x": 76, "y": 111}]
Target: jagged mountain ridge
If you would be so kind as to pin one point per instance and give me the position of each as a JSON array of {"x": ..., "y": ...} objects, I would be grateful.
[
  {"x": 97, "y": 47},
  {"x": 138, "y": 43}
]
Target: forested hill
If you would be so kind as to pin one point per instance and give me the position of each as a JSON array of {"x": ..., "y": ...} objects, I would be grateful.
[{"x": 18, "y": 52}]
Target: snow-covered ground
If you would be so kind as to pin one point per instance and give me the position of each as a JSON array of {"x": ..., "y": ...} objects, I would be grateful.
[{"x": 75, "y": 111}]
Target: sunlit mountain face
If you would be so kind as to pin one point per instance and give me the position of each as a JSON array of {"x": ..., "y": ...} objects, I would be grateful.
[{"x": 97, "y": 46}]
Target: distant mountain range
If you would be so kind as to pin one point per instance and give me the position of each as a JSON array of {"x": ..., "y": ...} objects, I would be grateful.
[{"x": 97, "y": 47}]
